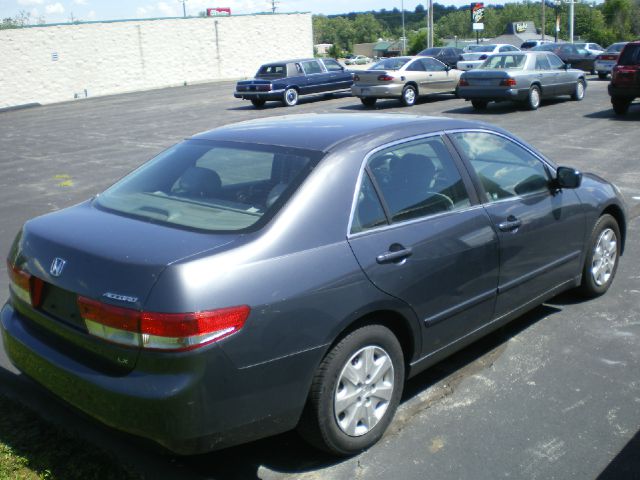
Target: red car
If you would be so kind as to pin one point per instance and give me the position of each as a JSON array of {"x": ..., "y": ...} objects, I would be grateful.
[{"x": 625, "y": 78}]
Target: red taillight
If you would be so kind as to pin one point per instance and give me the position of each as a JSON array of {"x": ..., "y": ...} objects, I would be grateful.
[
  {"x": 356, "y": 78},
  {"x": 25, "y": 286},
  {"x": 385, "y": 78},
  {"x": 163, "y": 331},
  {"x": 608, "y": 57},
  {"x": 508, "y": 82},
  {"x": 463, "y": 82}
]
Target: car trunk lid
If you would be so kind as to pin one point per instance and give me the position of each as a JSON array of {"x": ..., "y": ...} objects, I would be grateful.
[
  {"x": 86, "y": 252},
  {"x": 485, "y": 78}
]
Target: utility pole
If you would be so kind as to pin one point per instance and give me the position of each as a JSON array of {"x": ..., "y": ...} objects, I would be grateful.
[
  {"x": 404, "y": 38},
  {"x": 430, "y": 40},
  {"x": 571, "y": 2},
  {"x": 543, "y": 18},
  {"x": 184, "y": 8},
  {"x": 273, "y": 6}
]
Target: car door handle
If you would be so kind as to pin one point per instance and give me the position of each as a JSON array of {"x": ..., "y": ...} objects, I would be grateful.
[
  {"x": 394, "y": 255},
  {"x": 510, "y": 225}
]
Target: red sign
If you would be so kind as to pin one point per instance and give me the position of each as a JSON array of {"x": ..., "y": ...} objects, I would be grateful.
[
  {"x": 477, "y": 12},
  {"x": 213, "y": 12}
]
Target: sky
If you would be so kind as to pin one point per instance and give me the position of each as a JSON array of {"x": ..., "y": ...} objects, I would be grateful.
[{"x": 54, "y": 11}]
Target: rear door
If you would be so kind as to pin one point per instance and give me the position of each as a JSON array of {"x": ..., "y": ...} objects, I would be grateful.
[
  {"x": 548, "y": 78},
  {"x": 541, "y": 230},
  {"x": 420, "y": 236}
]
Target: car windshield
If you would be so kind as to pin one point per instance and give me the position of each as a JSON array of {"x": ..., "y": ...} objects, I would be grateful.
[
  {"x": 504, "y": 62},
  {"x": 395, "y": 63},
  {"x": 615, "y": 48},
  {"x": 212, "y": 186},
  {"x": 549, "y": 47}
]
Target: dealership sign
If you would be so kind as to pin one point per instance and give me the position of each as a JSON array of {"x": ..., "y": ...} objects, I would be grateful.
[{"x": 477, "y": 16}]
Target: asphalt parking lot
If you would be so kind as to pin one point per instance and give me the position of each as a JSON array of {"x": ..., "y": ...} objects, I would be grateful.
[{"x": 555, "y": 394}]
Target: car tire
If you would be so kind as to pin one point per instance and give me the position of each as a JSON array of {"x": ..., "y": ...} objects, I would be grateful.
[
  {"x": 578, "y": 93},
  {"x": 409, "y": 96},
  {"x": 601, "y": 259},
  {"x": 258, "y": 103},
  {"x": 290, "y": 97},
  {"x": 602, "y": 75},
  {"x": 620, "y": 105},
  {"x": 533, "y": 99},
  {"x": 355, "y": 392},
  {"x": 479, "y": 104},
  {"x": 369, "y": 101}
]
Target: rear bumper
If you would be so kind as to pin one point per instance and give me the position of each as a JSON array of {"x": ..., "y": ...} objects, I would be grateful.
[
  {"x": 272, "y": 95},
  {"x": 378, "y": 91},
  {"x": 630, "y": 92},
  {"x": 492, "y": 94},
  {"x": 189, "y": 402}
]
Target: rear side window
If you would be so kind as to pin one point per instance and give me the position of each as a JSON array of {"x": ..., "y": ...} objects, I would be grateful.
[
  {"x": 504, "y": 168},
  {"x": 418, "y": 179},
  {"x": 630, "y": 55},
  {"x": 212, "y": 186}
]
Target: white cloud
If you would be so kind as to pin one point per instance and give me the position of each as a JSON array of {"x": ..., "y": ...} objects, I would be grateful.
[
  {"x": 91, "y": 15},
  {"x": 53, "y": 8},
  {"x": 80, "y": 2},
  {"x": 28, "y": 3}
]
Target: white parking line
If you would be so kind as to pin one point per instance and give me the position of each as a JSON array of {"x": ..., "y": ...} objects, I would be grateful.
[{"x": 636, "y": 198}]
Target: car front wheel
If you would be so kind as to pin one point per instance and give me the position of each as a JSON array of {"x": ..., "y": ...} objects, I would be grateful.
[
  {"x": 290, "y": 97},
  {"x": 602, "y": 75},
  {"x": 601, "y": 260},
  {"x": 578, "y": 93},
  {"x": 355, "y": 392}
]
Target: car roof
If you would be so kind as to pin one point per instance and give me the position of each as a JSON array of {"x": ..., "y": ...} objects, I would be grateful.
[
  {"x": 323, "y": 131},
  {"x": 282, "y": 62}
]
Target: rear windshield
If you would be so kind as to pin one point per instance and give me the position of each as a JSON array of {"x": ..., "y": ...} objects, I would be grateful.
[
  {"x": 272, "y": 71},
  {"x": 549, "y": 47},
  {"x": 212, "y": 186},
  {"x": 504, "y": 62},
  {"x": 615, "y": 48},
  {"x": 485, "y": 48},
  {"x": 395, "y": 63},
  {"x": 630, "y": 55},
  {"x": 430, "y": 52},
  {"x": 528, "y": 44}
]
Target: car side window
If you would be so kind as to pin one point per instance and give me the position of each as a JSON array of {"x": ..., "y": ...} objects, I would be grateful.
[
  {"x": 368, "y": 213},
  {"x": 332, "y": 65},
  {"x": 504, "y": 168},
  {"x": 311, "y": 67},
  {"x": 418, "y": 178},
  {"x": 431, "y": 65},
  {"x": 555, "y": 61},
  {"x": 416, "y": 66},
  {"x": 542, "y": 63}
]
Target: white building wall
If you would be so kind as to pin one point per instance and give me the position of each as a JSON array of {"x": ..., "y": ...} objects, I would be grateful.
[{"x": 116, "y": 57}]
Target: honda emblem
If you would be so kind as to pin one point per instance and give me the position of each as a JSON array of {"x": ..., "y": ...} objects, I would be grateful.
[{"x": 56, "y": 266}]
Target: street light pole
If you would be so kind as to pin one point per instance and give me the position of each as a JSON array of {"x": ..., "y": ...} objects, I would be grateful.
[
  {"x": 571, "y": 2},
  {"x": 557, "y": 26}
]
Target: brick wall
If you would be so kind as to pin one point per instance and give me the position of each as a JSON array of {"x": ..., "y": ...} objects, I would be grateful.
[{"x": 62, "y": 62}]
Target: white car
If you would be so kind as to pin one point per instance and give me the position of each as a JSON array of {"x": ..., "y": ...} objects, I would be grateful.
[
  {"x": 476, "y": 58},
  {"x": 358, "y": 60},
  {"x": 593, "y": 48}
]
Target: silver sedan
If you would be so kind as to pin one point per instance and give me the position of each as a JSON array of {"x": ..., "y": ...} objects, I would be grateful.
[
  {"x": 405, "y": 78},
  {"x": 525, "y": 77}
]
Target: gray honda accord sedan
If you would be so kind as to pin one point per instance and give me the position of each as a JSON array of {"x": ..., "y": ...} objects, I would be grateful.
[{"x": 295, "y": 271}]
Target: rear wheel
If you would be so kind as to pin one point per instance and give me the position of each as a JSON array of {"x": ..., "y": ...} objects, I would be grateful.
[
  {"x": 368, "y": 101},
  {"x": 409, "y": 96},
  {"x": 578, "y": 92},
  {"x": 290, "y": 97},
  {"x": 602, "y": 75},
  {"x": 257, "y": 102},
  {"x": 479, "y": 104},
  {"x": 620, "y": 105},
  {"x": 355, "y": 392},
  {"x": 601, "y": 261},
  {"x": 533, "y": 99}
]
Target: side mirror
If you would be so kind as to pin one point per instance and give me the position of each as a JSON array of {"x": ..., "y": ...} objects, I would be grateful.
[
  {"x": 567, "y": 177},
  {"x": 567, "y": 66}
]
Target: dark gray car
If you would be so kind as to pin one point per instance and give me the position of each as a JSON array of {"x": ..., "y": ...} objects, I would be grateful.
[
  {"x": 525, "y": 77},
  {"x": 294, "y": 271}
]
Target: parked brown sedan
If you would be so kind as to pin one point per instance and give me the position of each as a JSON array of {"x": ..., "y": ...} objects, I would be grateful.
[{"x": 404, "y": 78}]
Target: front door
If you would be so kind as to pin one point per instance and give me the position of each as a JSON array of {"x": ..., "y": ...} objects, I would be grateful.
[
  {"x": 420, "y": 237},
  {"x": 541, "y": 230}
]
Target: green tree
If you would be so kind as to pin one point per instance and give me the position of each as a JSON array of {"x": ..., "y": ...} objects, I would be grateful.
[{"x": 367, "y": 29}]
